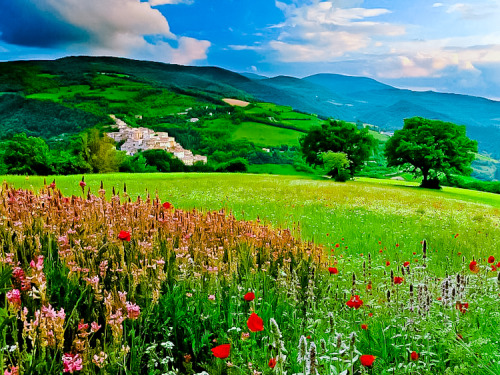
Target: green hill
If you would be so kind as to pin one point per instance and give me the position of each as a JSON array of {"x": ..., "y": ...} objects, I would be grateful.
[{"x": 47, "y": 98}]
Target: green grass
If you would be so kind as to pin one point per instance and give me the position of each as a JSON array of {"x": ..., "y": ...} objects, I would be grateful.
[
  {"x": 363, "y": 211},
  {"x": 266, "y": 135},
  {"x": 369, "y": 229},
  {"x": 280, "y": 169}
]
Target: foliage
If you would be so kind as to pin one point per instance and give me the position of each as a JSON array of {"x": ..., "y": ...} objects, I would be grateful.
[
  {"x": 235, "y": 165},
  {"x": 42, "y": 118},
  {"x": 338, "y": 136},
  {"x": 26, "y": 155},
  {"x": 431, "y": 148},
  {"x": 336, "y": 164}
]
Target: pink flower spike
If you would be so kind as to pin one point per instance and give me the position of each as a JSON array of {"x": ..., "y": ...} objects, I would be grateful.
[{"x": 72, "y": 362}]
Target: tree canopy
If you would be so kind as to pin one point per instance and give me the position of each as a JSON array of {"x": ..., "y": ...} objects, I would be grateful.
[
  {"x": 338, "y": 136},
  {"x": 431, "y": 148}
]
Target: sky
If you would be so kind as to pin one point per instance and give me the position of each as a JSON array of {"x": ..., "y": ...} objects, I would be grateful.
[{"x": 446, "y": 45}]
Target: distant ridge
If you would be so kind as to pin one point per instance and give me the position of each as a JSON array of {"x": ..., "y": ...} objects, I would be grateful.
[{"x": 327, "y": 95}]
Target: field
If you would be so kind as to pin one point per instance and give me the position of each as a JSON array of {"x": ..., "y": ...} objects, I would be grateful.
[{"x": 249, "y": 274}]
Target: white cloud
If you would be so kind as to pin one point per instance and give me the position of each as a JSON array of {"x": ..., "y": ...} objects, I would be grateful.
[
  {"x": 324, "y": 31},
  {"x": 164, "y": 2},
  {"x": 437, "y": 5},
  {"x": 477, "y": 11},
  {"x": 121, "y": 26}
]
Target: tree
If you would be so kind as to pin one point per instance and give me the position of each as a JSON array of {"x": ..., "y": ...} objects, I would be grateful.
[
  {"x": 431, "y": 148},
  {"x": 26, "y": 155},
  {"x": 336, "y": 164},
  {"x": 338, "y": 136}
]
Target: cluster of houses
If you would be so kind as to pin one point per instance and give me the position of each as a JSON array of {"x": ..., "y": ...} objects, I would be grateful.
[{"x": 138, "y": 139}]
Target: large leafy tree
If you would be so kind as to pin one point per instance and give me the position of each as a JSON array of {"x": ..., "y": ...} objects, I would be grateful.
[
  {"x": 338, "y": 136},
  {"x": 431, "y": 148},
  {"x": 26, "y": 155}
]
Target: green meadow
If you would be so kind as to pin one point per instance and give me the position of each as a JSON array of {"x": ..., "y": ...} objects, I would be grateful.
[
  {"x": 228, "y": 274},
  {"x": 363, "y": 211}
]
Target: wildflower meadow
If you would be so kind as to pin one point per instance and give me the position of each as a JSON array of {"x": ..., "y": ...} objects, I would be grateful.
[{"x": 230, "y": 274}]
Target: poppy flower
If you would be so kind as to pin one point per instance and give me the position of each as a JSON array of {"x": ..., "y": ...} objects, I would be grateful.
[
  {"x": 462, "y": 307},
  {"x": 370, "y": 315},
  {"x": 222, "y": 351},
  {"x": 491, "y": 259},
  {"x": 398, "y": 280},
  {"x": 397, "y": 245},
  {"x": 367, "y": 360},
  {"x": 414, "y": 355},
  {"x": 364, "y": 326},
  {"x": 255, "y": 323},
  {"x": 355, "y": 302},
  {"x": 167, "y": 206},
  {"x": 369, "y": 286},
  {"x": 124, "y": 236},
  {"x": 474, "y": 267},
  {"x": 82, "y": 184},
  {"x": 333, "y": 270},
  {"x": 272, "y": 362},
  {"x": 250, "y": 296},
  {"x": 493, "y": 268},
  {"x": 406, "y": 264}
]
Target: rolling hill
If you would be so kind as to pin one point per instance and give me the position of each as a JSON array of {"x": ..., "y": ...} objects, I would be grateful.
[{"x": 76, "y": 84}]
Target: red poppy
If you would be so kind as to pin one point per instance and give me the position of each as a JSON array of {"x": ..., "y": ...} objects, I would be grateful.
[
  {"x": 370, "y": 315},
  {"x": 355, "y": 302},
  {"x": 474, "y": 267},
  {"x": 369, "y": 286},
  {"x": 397, "y": 245},
  {"x": 255, "y": 323},
  {"x": 387, "y": 263},
  {"x": 250, "y": 296},
  {"x": 406, "y": 264},
  {"x": 414, "y": 355},
  {"x": 398, "y": 280},
  {"x": 333, "y": 270},
  {"x": 337, "y": 245},
  {"x": 462, "y": 307},
  {"x": 367, "y": 360},
  {"x": 124, "y": 235},
  {"x": 222, "y": 351},
  {"x": 493, "y": 268},
  {"x": 82, "y": 184},
  {"x": 491, "y": 259},
  {"x": 364, "y": 326},
  {"x": 167, "y": 206},
  {"x": 272, "y": 362}
]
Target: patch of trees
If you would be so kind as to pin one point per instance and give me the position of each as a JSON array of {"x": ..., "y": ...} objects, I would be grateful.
[{"x": 42, "y": 118}]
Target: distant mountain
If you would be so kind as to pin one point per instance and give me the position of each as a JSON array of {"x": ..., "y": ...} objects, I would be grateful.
[{"x": 327, "y": 95}]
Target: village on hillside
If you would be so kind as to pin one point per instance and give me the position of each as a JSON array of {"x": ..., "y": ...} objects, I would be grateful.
[{"x": 138, "y": 139}]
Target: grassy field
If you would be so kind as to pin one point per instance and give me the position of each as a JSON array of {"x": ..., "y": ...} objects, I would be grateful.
[
  {"x": 362, "y": 211},
  {"x": 196, "y": 292}
]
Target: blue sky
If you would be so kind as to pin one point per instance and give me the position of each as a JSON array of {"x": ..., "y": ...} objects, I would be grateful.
[{"x": 446, "y": 45}]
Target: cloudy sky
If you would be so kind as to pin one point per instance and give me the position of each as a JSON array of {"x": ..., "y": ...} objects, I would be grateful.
[{"x": 447, "y": 46}]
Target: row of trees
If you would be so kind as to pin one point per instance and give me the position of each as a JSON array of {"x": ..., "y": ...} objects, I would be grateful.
[
  {"x": 431, "y": 149},
  {"x": 92, "y": 152}
]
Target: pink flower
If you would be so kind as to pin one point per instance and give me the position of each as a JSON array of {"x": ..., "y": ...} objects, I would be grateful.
[
  {"x": 83, "y": 326},
  {"x": 133, "y": 310},
  {"x": 94, "y": 327},
  {"x": 211, "y": 297},
  {"x": 14, "y": 370},
  {"x": 72, "y": 362},
  {"x": 14, "y": 297}
]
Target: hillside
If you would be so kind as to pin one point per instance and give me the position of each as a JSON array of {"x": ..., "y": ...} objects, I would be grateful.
[{"x": 80, "y": 92}]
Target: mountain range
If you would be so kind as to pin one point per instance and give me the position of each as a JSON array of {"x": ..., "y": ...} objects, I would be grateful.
[{"x": 356, "y": 99}]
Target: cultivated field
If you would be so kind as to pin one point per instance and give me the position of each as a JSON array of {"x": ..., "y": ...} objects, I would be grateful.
[{"x": 247, "y": 274}]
